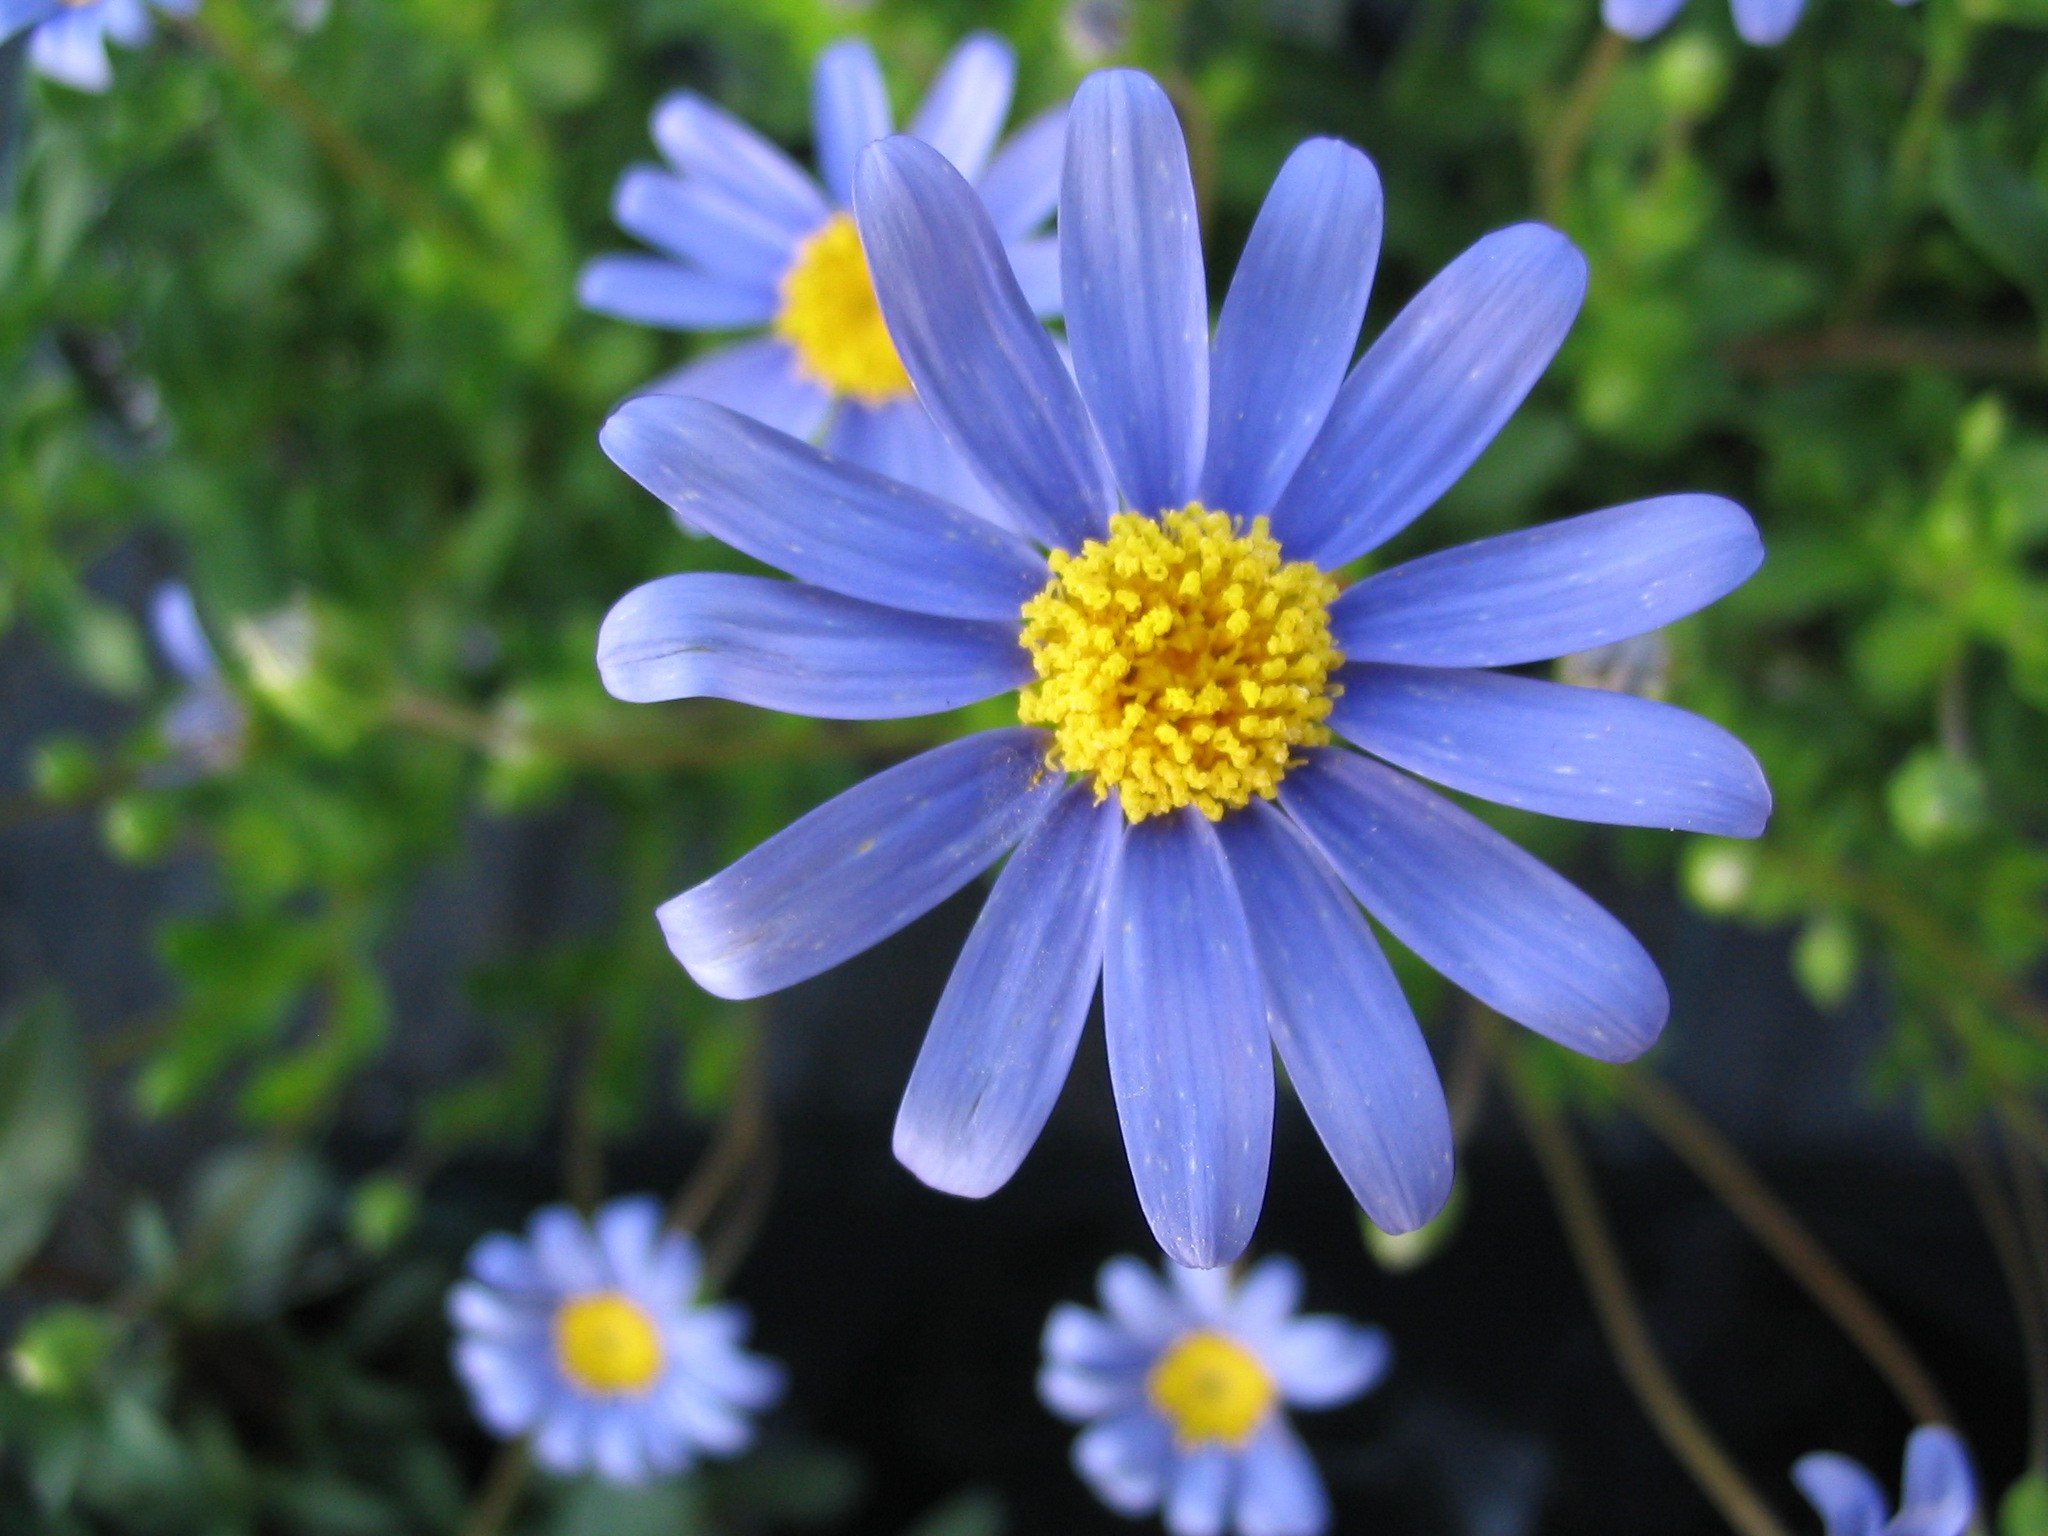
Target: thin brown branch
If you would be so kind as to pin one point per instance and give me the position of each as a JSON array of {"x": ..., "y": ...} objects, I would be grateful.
[
  {"x": 1886, "y": 349},
  {"x": 739, "y": 1134},
  {"x": 1771, "y": 1222},
  {"x": 735, "y": 1235},
  {"x": 1565, "y": 139},
  {"x": 2002, "y": 1225}
]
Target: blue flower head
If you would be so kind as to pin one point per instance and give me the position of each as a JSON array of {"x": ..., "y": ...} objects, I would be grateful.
[
  {"x": 207, "y": 726},
  {"x": 1184, "y": 1388},
  {"x": 588, "y": 1337},
  {"x": 1181, "y": 818},
  {"x": 748, "y": 239},
  {"x": 1765, "y": 23},
  {"x": 69, "y": 42},
  {"x": 1939, "y": 1497}
]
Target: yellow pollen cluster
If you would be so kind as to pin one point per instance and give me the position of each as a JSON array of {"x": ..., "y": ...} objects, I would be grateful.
[
  {"x": 830, "y": 316},
  {"x": 1181, "y": 662},
  {"x": 1210, "y": 1389},
  {"x": 607, "y": 1344}
]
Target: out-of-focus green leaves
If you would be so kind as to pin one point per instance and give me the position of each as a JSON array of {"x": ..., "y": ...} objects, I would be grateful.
[
  {"x": 2024, "y": 1510},
  {"x": 43, "y": 1125}
]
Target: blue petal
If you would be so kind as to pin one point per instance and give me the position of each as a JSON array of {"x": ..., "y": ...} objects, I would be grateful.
[
  {"x": 1766, "y": 22},
  {"x": 504, "y": 1262},
  {"x": 1279, "y": 1491},
  {"x": 826, "y": 522},
  {"x": 1497, "y": 922},
  {"x": 1146, "y": 1309},
  {"x": 1078, "y": 1394},
  {"x": 562, "y": 1442},
  {"x": 1940, "y": 1493},
  {"x": 127, "y": 22},
  {"x": 1320, "y": 1362},
  {"x": 1577, "y": 752},
  {"x": 696, "y": 222},
  {"x": 174, "y": 622},
  {"x": 901, "y": 440},
  {"x": 755, "y": 378},
  {"x": 1198, "y": 1500},
  {"x": 1290, "y": 323},
  {"x": 628, "y": 1230},
  {"x": 1431, "y": 393},
  {"x": 71, "y": 47},
  {"x": 1075, "y": 1336},
  {"x": 508, "y": 1387},
  {"x": 1131, "y": 278},
  {"x": 1548, "y": 591},
  {"x": 1126, "y": 1461},
  {"x": 564, "y": 1250},
  {"x": 1638, "y": 18},
  {"x": 862, "y": 865},
  {"x": 18, "y": 15},
  {"x": 800, "y": 649},
  {"x": 1846, "y": 1497},
  {"x": 700, "y": 139},
  {"x": 615, "y": 1447},
  {"x": 1004, "y": 1034},
  {"x": 963, "y": 112},
  {"x": 984, "y": 366},
  {"x": 1037, "y": 265},
  {"x": 651, "y": 290},
  {"x": 1188, "y": 1054},
  {"x": 1021, "y": 187},
  {"x": 1351, "y": 1045},
  {"x": 849, "y": 111},
  {"x": 1270, "y": 1292}
]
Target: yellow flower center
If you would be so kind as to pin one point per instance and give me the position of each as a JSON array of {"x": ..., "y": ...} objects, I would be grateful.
[
  {"x": 830, "y": 316},
  {"x": 1210, "y": 1389},
  {"x": 1181, "y": 661},
  {"x": 607, "y": 1344}
]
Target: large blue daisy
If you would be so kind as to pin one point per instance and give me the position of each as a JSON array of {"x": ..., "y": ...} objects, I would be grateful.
[
  {"x": 1185, "y": 824},
  {"x": 749, "y": 240}
]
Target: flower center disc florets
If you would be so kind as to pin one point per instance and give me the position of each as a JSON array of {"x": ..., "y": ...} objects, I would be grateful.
[
  {"x": 1210, "y": 1389},
  {"x": 833, "y": 321},
  {"x": 607, "y": 1344},
  {"x": 1181, "y": 661}
]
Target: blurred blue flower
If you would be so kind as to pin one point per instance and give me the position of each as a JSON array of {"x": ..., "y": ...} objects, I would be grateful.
[
  {"x": 587, "y": 1337},
  {"x": 1762, "y": 22},
  {"x": 1939, "y": 1497},
  {"x": 70, "y": 38},
  {"x": 1192, "y": 658},
  {"x": 1184, "y": 1387},
  {"x": 747, "y": 239},
  {"x": 207, "y": 726}
]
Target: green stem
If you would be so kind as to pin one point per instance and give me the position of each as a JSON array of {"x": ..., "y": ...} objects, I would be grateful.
[
  {"x": 1565, "y": 140},
  {"x": 498, "y": 1499}
]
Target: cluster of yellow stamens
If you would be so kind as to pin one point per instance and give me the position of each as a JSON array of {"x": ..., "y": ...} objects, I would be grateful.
[
  {"x": 1210, "y": 1389},
  {"x": 607, "y": 1344},
  {"x": 1181, "y": 661},
  {"x": 833, "y": 322}
]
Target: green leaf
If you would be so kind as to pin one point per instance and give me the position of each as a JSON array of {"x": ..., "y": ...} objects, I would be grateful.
[
  {"x": 43, "y": 1126},
  {"x": 2024, "y": 1511},
  {"x": 974, "y": 1512},
  {"x": 1998, "y": 209}
]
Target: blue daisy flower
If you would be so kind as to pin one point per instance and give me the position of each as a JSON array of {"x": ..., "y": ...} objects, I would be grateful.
[
  {"x": 1939, "y": 1497},
  {"x": 1185, "y": 824},
  {"x": 1184, "y": 1388},
  {"x": 748, "y": 239},
  {"x": 587, "y": 1337},
  {"x": 206, "y": 727},
  {"x": 1765, "y": 23},
  {"x": 69, "y": 43}
]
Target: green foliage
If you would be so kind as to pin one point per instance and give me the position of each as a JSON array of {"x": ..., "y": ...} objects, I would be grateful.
[{"x": 43, "y": 1126}]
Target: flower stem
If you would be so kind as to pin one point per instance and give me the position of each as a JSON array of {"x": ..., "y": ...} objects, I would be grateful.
[
  {"x": 1566, "y": 139},
  {"x": 1593, "y": 1247},
  {"x": 733, "y": 1148},
  {"x": 2008, "y": 1242},
  {"x": 1696, "y": 1143},
  {"x": 503, "y": 1486}
]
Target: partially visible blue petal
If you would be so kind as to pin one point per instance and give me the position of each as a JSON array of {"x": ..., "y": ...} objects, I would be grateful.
[
  {"x": 963, "y": 112},
  {"x": 1189, "y": 1058},
  {"x": 1075, "y": 1336},
  {"x": 1126, "y": 1461},
  {"x": 502, "y": 1261},
  {"x": 1766, "y": 22},
  {"x": 174, "y": 623},
  {"x": 561, "y": 1443},
  {"x": 1268, "y": 1295},
  {"x": 849, "y": 111},
  {"x": 1037, "y": 265},
  {"x": 1205, "y": 1293},
  {"x": 1279, "y": 1491},
  {"x": 1846, "y": 1497},
  {"x": 628, "y": 1230},
  {"x": 800, "y": 649},
  {"x": 1320, "y": 1362},
  {"x": 17, "y": 15},
  {"x": 1132, "y": 1294},
  {"x": 1638, "y": 18},
  {"x": 861, "y": 866},
  {"x": 510, "y": 1387},
  {"x": 983, "y": 364},
  {"x": 901, "y": 440},
  {"x": 822, "y": 520},
  {"x": 1500, "y": 924},
  {"x": 491, "y": 1314},
  {"x": 1351, "y": 1044},
  {"x": 71, "y": 47},
  {"x": 755, "y": 378},
  {"x": 697, "y": 222},
  {"x": 127, "y": 22},
  {"x": 1131, "y": 281},
  {"x": 1939, "y": 1497},
  {"x": 1198, "y": 1498},
  {"x": 700, "y": 139},
  {"x": 1431, "y": 393},
  {"x": 651, "y": 290},
  {"x": 1004, "y": 1035},
  {"x": 701, "y": 1415},
  {"x": 1021, "y": 187},
  {"x": 564, "y": 1250},
  {"x": 615, "y": 1443},
  {"x": 1584, "y": 753},
  {"x": 1548, "y": 591},
  {"x": 1290, "y": 323}
]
